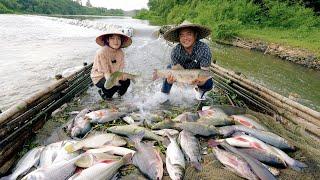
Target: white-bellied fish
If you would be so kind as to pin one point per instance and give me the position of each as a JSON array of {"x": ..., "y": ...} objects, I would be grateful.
[
  {"x": 102, "y": 171},
  {"x": 214, "y": 116},
  {"x": 79, "y": 125},
  {"x": 61, "y": 170},
  {"x": 104, "y": 115},
  {"x": 90, "y": 159},
  {"x": 97, "y": 141},
  {"x": 114, "y": 78},
  {"x": 234, "y": 163},
  {"x": 130, "y": 130},
  {"x": 112, "y": 150},
  {"x": 186, "y": 117},
  {"x": 187, "y": 76},
  {"x": 256, "y": 166},
  {"x": 248, "y": 122},
  {"x": 147, "y": 159},
  {"x": 28, "y": 161},
  {"x": 265, "y": 136},
  {"x": 175, "y": 159},
  {"x": 163, "y": 132},
  {"x": 191, "y": 148}
]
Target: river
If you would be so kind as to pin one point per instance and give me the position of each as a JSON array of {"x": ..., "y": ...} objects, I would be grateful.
[{"x": 36, "y": 48}]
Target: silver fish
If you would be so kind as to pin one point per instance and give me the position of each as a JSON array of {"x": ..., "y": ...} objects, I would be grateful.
[
  {"x": 104, "y": 115},
  {"x": 175, "y": 159},
  {"x": 267, "y": 137},
  {"x": 234, "y": 163},
  {"x": 248, "y": 122},
  {"x": 215, "y": 117},
  {"x": 187, "y": 76},
  {"x": 102, "y": 171},
  {"x": 114, "y": 78},
  {"x": 29, "y": 160},
  {"x": 112, "y": 150},
  {"x": 255, "y": 165},
  {"x": 191, "y": 148},
  {"x": 97, "y": 141},
  {"x": 57, "y": 171},
  {"x": 79, "y": 125},
  {"x": 163, "y": 132},
  {"x": 147, "y": 159},
  {"x": 186, "y": 117},
  {"x": 198, "y": 128},
  {"x": 130, "y": 130},
  {"x": 90, "y": 159}
]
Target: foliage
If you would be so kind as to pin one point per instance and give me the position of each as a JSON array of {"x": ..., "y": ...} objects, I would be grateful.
[
  {"x": 67, "y": 7},
  {"x": 227, "y": 17}
]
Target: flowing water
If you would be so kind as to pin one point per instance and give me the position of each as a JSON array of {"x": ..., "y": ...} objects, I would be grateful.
[{"x": 36, "y": 48}]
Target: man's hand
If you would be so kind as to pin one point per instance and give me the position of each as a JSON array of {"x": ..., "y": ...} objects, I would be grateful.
[
  {"x": 197, "y": 82},
  {"x": 171, "y": 79}
]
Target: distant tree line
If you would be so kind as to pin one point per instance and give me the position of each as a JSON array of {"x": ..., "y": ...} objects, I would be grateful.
[
  {"x": 65, "y": 7},
  {"x": 227, "y": 16}
]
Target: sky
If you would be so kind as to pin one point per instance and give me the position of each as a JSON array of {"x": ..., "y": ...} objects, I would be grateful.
[{"x": 119, "y": 4}]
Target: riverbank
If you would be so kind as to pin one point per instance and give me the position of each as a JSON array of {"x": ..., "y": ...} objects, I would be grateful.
[{"x": 295, "y": 55}]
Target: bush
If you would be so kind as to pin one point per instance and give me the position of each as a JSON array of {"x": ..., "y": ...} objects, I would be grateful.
[
  {"x": 4, "y": 9},
  {"x": 226, "y": 29}
]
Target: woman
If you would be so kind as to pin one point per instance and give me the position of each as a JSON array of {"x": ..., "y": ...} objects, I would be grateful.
[{"x": 109, "y": 59}]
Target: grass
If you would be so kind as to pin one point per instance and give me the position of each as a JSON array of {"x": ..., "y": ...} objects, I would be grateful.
[{"x": 297, "y": 38}]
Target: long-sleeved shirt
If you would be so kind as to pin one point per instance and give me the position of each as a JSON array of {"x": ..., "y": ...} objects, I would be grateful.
[{"x": 106, "y": 61}]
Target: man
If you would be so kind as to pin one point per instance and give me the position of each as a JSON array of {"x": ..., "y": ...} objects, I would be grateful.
[{"x": 190, "y": 53}]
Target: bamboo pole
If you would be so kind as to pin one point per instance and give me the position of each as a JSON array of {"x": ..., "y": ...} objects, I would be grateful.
[
  {"x": 283, "y": 99},
  {"x": 280, "y": 105},
  {"x": 302, "y": 114}
]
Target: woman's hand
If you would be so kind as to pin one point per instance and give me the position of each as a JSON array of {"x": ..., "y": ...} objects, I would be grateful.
[{"x": 171, "y": 79}]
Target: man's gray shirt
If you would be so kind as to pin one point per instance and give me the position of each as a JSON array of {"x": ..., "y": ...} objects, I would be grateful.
[{"x": 200, "y": 56}]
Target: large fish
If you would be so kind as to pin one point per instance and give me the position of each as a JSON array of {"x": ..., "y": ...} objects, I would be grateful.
[
  {"x": 187, "y": 76},
  {"x": 97, "y": 141},
  {"x": 191, "y": 148},
  {"x": 58, "y": 171},
  {"x": 104, "y": 115},
  {"x": 265, "y": 136},
  {"x": 248, "y": 122},
  {"x": 198, "y": 128},
  {"x": 114, "y": 78},
  {"x": 163, "y": 132},
  {"x": 79, "y": 125},
  {"x": 256, "y": 166},
  {"x": 186, "y": 117},
  {"x": 147, "y": 159},
  {"x": 175, "y": 159},
  {"x": 55, "y": 153},
  {"x": 102, "y": 171},
  {"x": 246, "y": 141},
  {"x": 112, "y": 150},
  {"x": 263, "y": 156},
  {"x": 214, "y": 116},
  {"x": 130, "y": 130},
  {"x": 90, "y": 159},
  {"x": 235, "y": 163},
  {"x": 28, "y": 161}
]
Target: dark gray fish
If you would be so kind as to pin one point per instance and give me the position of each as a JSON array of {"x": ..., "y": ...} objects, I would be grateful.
[
  {"x": 257, "y": 167},
  {"x": 79, "y": 125},
  {"x": 265, "y": 136}
]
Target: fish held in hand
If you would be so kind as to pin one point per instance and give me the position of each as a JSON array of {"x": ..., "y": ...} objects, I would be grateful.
[{"x": 114, "y": 78}]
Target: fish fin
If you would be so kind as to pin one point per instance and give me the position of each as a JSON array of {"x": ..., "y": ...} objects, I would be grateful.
[
  {"x": 196, "y": 165},
  {"x": 155, "y": 74},
  {"x": 137, "y": 137}
]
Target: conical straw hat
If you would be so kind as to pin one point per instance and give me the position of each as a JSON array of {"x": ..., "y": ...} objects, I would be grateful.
[
  {"x": 113, "y": 30},
  {"x": 173, "y": 34}
]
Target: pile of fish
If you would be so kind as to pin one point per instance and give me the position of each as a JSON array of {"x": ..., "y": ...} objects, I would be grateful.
[{"x": 239, "y": 142}]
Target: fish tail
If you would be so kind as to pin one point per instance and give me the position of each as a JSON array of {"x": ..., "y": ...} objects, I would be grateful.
[
  {"x": 155, "y": 74},
  {"x": 138, "y": 137},
  {"x": 297, "y": 165},
  {"x": 196, "y": 165}
]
